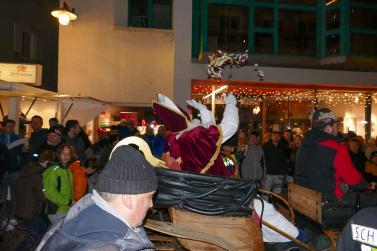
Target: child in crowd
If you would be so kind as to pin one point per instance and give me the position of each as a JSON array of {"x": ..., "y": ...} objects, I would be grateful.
[
  {"x": 58, "y": 184},
  {"x": 80, "y": 181}
]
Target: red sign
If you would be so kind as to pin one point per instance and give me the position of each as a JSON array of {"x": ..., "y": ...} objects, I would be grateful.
[{"x": 129, "y": 116}]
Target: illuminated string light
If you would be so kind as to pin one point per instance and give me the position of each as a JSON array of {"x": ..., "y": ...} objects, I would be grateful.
[{"x": 249, "y": 95}]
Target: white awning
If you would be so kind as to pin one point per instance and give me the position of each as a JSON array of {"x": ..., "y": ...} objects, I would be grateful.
[
  {"x": 82, "y": 109},
  {"x": 49, "y": 103}
]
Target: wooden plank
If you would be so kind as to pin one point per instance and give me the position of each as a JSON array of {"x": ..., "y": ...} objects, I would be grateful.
[
  {"x": 163, "y": 248},
  {"x": 306, "y": 201},
  {"x": 182, "y": 232},
  {"x": 155, "y": 237},
  {"x": 241, "y": 232}
]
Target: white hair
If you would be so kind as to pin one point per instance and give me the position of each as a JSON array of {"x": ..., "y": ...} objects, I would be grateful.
[{"x": 110, "y": 196}]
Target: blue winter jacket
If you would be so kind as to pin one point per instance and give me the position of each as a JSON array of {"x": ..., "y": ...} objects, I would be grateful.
[{"x": 88, "y": 226}]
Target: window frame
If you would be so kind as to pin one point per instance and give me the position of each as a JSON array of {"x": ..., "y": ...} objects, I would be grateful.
[
  {"x": 200, "y": 24},
  {"x": 149, "y": 16}
]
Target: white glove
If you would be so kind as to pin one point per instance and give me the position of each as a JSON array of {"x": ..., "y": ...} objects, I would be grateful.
[
  {"x": 230, "y": 99},
  {"x": 197, "y": 105},
  {"x": 206, "y": 116},
  {"x": 230, "y": 121}
]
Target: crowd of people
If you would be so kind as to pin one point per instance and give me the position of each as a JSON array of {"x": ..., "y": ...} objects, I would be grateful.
[
  {"x": 58, "y": 172},
  {"x": 44, "y": 175},
  {"x": 271, "y": 159}
]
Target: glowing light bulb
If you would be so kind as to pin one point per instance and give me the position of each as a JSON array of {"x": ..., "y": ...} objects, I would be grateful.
[{"x": 64, "y": 19}]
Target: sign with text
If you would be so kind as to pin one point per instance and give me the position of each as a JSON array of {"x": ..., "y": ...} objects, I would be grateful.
[{"x": 21, "y": 73}]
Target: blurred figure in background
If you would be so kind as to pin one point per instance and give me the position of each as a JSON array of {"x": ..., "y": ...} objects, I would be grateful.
[
  {"x": 132, "y": 130},
  {"x": 266, "y": 138},
  {"x": 149, "y": 136},
  {"x": 37, "y": 138},
  {"x": 159, "y": 141},
  {"x": 72, "y": 137},
  {"x": 54, "y": 139},
  {"x": 371, "y": 168},
  {"x": 296, "y": 143},
  {"x": 253, "y": 164},
  {"x": 357, "y": 155},
  {"x": 276, "y": 155},
  {"x": 53, "y": 122}
]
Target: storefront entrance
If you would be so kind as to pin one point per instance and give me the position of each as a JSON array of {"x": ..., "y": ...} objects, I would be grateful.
[{"x": 267, "y": 107}]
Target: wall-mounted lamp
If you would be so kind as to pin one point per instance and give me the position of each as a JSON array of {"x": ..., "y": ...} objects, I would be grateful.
[{"x": 64, "y": 14}]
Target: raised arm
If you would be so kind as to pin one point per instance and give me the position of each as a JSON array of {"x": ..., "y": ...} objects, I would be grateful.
[
  {"x": 206, "y": 116},
  {"x": 230, "y": 121}
]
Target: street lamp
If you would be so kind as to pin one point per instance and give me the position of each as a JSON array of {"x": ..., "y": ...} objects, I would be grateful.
[{"x": 65, "y": 14}]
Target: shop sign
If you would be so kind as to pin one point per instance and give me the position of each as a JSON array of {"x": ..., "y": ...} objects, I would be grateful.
[
  {"x": 21, "y": 73},
  {"x": 104, "y": 119},
  {"x": 130, "y": 116}
]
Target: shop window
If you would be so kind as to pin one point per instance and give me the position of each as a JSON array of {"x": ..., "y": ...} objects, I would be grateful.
[
  {"x": 228, "y": 27},
  {"x": 263, "y": 43},
  {"x": 332, "y": 45},
  {"x": 297, "y": 32},
  {"x": 363, "y": 18},
  {"x": 363, "y": 44},
  {"x": 300, "y": 2},
  {"x": 264, "y": 17},
  {"x": 150, "y": 14},
  {"x": 333, "y": 19}
]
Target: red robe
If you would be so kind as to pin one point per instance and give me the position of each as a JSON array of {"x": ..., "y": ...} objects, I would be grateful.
[{"x": 199, "y": 150}]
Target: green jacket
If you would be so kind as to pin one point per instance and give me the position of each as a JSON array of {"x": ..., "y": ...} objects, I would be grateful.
[{"x": 58, "y": 188}]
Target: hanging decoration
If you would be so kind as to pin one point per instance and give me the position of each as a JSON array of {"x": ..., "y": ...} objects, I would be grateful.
[{"x": 219, "y": 60}]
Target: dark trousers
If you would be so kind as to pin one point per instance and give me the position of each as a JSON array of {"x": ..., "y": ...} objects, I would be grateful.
[
  {"x": 337, "y": 213},
  {"x": 34, "y": 228}
]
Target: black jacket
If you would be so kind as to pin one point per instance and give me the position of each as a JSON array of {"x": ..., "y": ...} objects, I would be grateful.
[
  {"x": 276, "y": 158},
  {"x": 359, "y": 160},
  {"x": 360, "y": 230},
  {"x": 324, "y": 165}
]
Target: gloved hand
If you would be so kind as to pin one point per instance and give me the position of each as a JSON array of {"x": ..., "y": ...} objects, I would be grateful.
[
  {"x": 197, "y": 105},
  {"x": 230, "y": 99}
]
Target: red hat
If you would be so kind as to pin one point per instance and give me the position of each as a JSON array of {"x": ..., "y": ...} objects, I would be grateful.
[{"x": 173, "y": 117}]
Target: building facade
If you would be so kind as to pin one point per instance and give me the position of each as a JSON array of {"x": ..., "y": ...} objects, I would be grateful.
[{"x": 125, "y": 52}]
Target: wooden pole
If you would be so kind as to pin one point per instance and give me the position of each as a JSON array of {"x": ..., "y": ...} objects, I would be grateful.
[
  {"x": 368, "y": 116},
  {"x": 303, "y": 244},
  {"x": 213, "y": 101},
  {"x": 264, "y": 119}
]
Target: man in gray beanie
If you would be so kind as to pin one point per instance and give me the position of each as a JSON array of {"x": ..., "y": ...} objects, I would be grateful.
[{"x": 111, "y": 217}]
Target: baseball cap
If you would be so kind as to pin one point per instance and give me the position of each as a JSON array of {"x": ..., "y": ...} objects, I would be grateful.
[{"x": 323, "y": 117}]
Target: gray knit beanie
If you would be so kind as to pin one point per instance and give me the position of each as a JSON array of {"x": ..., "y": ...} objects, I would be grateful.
[{"x": 127, "y": 172}]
